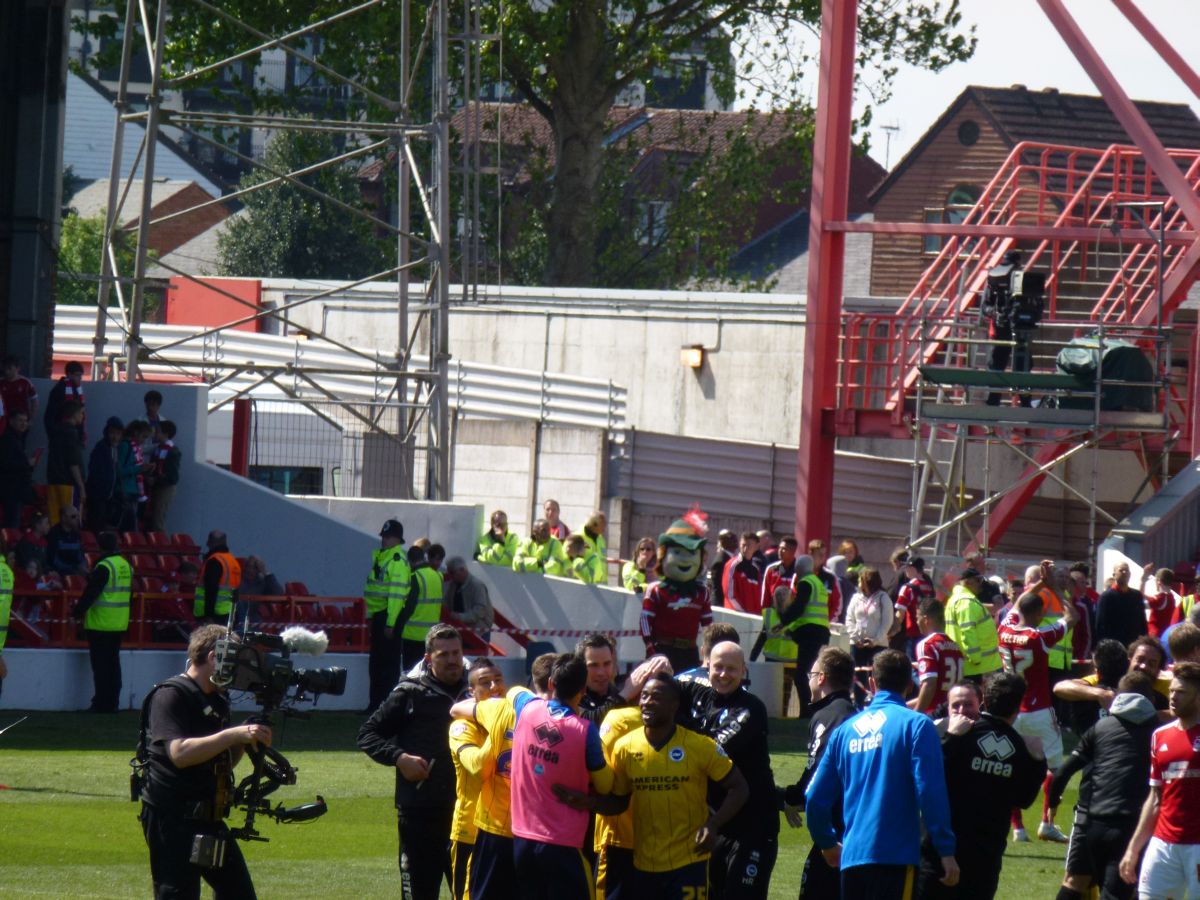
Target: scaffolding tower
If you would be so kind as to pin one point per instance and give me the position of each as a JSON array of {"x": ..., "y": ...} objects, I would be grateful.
[{"x": 414, "y": 382}]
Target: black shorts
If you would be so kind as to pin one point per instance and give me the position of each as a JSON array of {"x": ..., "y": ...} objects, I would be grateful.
[
  {"x": 1078, "y": 861},
  {"x": 689, "y": 882},
  {"x": 879, "y": 883},
  {"x": 819, "y": 881},
  {"x": 1104, "y": 843},
  {"x": 492, "y": 873},
  {"x": 460, "y": 857},
  {"x": 550, "y": 871},
  {"x": 741, "y": 868},
  {"x": 614, "y": 873}
]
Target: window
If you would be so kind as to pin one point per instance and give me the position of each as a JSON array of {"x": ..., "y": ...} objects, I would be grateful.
[
  {"x": 288, "y": 479},
  {"x": 959, "y": 202},
  {"x": 652, "y": 222}
]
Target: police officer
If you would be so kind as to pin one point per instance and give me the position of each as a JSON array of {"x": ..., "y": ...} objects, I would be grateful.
[
  {"x": 408, "y": 732},
  {"x": 388, "y": 586},
  {"x": 191, "y": 754},
  {"x": 219, "y": 582},
  {"x": 104, "y": 607},
  {"x": 422, "y": 609}
]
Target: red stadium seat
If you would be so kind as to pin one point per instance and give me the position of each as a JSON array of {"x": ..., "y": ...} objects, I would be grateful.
[
  {"x": 12, "y": 537},
  {"x": 74, "y": 582},
  {"x": 92, "y": 559},
  {"x": 146, "y": 565},
  {"x": 89, "y": 540},
  {"x": 297, "y": 589},
  {"x": 184, "y": 543},
  {"x": 158, "y": 539},
  {"x": 134, "y": 541}
]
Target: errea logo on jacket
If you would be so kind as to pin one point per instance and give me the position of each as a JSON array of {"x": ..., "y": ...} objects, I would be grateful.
[
  {"x": 867, "y": 726},
  {"x": 998, "y": 748}
]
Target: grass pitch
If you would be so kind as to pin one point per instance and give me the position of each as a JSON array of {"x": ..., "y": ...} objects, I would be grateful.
[{"x": 67, "y": 828}]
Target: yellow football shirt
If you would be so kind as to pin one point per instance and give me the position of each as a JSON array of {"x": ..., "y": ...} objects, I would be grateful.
[
  {"x": 616, "y": 831},
  {"x": 493, "y": 811},
  {"x": 669, "y": 787},
  {"x": 464, "y": 734}
]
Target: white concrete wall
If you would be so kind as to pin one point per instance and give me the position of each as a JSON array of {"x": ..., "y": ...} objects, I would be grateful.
[
  {"x": 492, "y": 464},
  {"x": 456, "y": 526}
]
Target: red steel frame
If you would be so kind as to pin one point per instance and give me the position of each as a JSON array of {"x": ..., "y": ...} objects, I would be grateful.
[{"x": 819, "y": 409}]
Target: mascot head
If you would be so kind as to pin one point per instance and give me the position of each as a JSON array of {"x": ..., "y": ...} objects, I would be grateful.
[{"x": 681, "y": 548}]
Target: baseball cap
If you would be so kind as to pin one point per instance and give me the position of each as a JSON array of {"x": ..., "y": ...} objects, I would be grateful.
[{"x": 392, "y": 528}]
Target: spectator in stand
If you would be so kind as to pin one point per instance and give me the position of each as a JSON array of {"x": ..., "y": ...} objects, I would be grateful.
[
  {"x": 16, "y": 468},
  {"x": 583, "y": 563},
  {"x": 257, "y": 581},
  {"x": 183, "y": 580},
  {"x": 64, "y": 465},
  {"x": 132, "y": 471},
  {"x": 153, "y": 401},
  {"x": 939, "y": 659},
  {"x": 32, "y": 547},
  {"x": 68, "y": 390},
  {"x": 820, "y": 556},
  {"x": 558, "y": 528},
  {"x": 167, "y": 459},
  {"x": 727, "y": 545},
  {"x": 64, "y": 545},
  {"x": 1120, "y": 611},
  {"x": 854, "y": 561},
  {"x": 768, "y": 549},
  {"x": 498, "y": 545},
  {"x": 742, "y": 577},
  {"x": 779, "y": 573},
  {"x": 1160, "y": 606},
  {"x": 868, "y": 621},
  {"x": 103, "y": 481},
  {"x": 17, "y": 393},
  {"x": 467, "y": 598},
  {"x": 104, "y": 607},
  {"x": 916, "y": 587},
  {"x": 541, "y": 553},
  {"x": 638, "y": 572}
]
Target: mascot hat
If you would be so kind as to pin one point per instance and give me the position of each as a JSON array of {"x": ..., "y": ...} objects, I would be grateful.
[{"x": 688, "y": 532}]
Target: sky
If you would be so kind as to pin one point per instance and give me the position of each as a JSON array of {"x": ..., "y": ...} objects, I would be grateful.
[{"x": 1018, "y": 45}]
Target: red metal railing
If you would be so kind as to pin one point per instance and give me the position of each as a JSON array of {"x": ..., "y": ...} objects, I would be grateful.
[{"x": 1043, "y": 185}]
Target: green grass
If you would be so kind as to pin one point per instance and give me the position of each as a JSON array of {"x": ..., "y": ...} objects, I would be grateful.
[{"x": 65, "y": 808}]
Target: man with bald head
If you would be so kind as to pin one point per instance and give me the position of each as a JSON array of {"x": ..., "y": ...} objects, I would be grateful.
[{"x": 716, "y": 703}]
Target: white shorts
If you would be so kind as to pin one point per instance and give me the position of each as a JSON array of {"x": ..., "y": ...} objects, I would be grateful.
[
  {"x": 1169, "y": 871},
  {"x": 1043, "y": 724}
]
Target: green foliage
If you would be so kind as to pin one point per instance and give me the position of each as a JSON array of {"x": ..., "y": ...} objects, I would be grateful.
[
  {"x": 289, "y": 232},
  {"x": 80, "y": 249},
  {"x": 571, "y": 60}
]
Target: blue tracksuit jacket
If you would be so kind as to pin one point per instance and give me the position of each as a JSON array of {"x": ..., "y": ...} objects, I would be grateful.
[{"x": 885, "y": 764}]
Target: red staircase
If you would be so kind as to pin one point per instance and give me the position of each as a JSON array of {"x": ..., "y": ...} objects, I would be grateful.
[{"x": 1079, "y": 193}]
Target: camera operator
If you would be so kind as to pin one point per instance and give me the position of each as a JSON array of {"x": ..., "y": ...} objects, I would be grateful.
[
  {"x": 1013, "y": 306},
  {"x": 189, "y": 778},
  {"x": 408, "y": 732}
]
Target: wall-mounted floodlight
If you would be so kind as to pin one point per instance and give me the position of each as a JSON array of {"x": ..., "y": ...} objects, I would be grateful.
[{"x": 692, "y": 356}]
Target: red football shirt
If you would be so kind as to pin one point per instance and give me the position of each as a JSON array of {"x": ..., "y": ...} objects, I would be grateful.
[
  {"x": 1161, "y": 608},
  {"x": 17, "y": 395},
  {"x": 1175, "y": 767},
  {"x": 939, "y": 658},
  {"x": 909, "y": 597},
  {"x": 1023, "y": 651}
]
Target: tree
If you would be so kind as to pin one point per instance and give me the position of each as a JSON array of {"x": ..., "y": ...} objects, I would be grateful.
[
  {"x": 571, "y": 60},
  {"x": 80, "y": 244},
  {"x": 288, "y": 232}
]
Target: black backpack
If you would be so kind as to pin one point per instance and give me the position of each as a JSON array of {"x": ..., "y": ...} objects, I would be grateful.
[{"x": 141, "y": 755}]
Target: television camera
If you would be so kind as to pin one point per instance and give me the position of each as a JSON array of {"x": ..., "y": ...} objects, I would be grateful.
[
  {"x": 1014, "y": 299},
  {"x": 244, "y": 663}
]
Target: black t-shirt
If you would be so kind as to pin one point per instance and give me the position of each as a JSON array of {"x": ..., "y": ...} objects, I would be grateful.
[
  {"x": 178, "y": 712},
  {"x": 594, "y": 707}
]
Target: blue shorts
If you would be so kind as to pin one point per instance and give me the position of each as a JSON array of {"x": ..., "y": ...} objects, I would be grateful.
[
  {"x": 550, "y": 871},
  {"x": 491, "y": 867}
]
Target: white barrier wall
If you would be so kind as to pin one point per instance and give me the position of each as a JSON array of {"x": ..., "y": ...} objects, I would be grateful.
[{"x": 456, "y": 526}]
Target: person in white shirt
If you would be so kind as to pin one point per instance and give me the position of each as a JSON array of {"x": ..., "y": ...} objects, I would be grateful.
[{"x": 868, "y": 621}]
